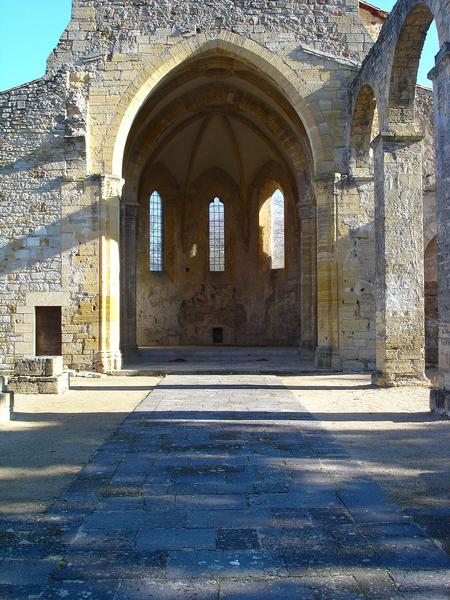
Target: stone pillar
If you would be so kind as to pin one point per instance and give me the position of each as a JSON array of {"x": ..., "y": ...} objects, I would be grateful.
[
  {"x": 327, "y": 351},
  {"x": 440, "y": 397},
  {"x": 355, "y": 255},
  {"x": 399, "y": 287},
  {"x": 128, "y": 274},
  {"x": 308, "y": 282},
  {"x": 109, "y": 357},
  {"x": 308, "y": 254}
]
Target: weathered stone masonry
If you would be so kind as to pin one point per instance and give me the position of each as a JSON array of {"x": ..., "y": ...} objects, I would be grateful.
[
  {"x": 72, "y": 167},
  {"x": 389, "y": 71},
  {"x": 49, "y": 224}
]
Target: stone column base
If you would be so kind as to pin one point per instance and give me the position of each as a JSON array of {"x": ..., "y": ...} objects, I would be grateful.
[
  {"x": 6, "y": 403},
  {"x": 108, "y": 360},
  {"x": 130, "y": 353},
  {"x": 440, "y": 401},
  {"x": 306, "y": 352},
  {"x": 395, "y": 380},
  {"x": 327, "y": 358}
]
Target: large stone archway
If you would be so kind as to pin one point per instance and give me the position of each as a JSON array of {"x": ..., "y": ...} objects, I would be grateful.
[
  {"x": 216, "y": 127},
  {"x": 302, "y": 129},
  {"x": 390, "y": 73},
  {"x": 109, "y": 152}
]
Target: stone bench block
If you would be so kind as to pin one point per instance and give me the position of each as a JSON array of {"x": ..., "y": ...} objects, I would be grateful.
[
  {"x": 6, "y": 403},
  {"x": 22, "y": 384},
  {"x": 41, "y": 366}
]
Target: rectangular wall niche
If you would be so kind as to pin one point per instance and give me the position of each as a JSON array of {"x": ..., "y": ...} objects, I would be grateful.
[
  {"x": 217, "y": 334},
  {"x": 48, "y": 330}
]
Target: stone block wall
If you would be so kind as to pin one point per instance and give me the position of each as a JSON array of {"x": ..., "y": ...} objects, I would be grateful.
[
  {"x": 137, "y": 27},
  {"x": 356, "y": 252},
  {"x": 32, "y": 165},
  {"x": 48, "y": 230}
]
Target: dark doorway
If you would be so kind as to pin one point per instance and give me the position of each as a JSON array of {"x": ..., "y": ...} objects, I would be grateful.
[{"x": 48, "y": 330}]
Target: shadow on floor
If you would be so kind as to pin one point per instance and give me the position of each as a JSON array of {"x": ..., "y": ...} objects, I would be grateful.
[{"x": 263, "y": 416}]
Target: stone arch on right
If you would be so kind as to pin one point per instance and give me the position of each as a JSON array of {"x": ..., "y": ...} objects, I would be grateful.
[{"x": 412, "y": 297}]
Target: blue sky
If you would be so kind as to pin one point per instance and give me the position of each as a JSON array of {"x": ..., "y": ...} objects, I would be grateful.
[
  {"x": 30, "y": 29},
  {"x": 430, "y": 49}
]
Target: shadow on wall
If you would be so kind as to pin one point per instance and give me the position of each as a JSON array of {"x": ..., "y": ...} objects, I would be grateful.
[{"x": 45, "y": 241}]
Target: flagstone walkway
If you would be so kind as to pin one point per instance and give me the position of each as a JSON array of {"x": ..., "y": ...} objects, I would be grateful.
[{"x": 221, "y": 487}]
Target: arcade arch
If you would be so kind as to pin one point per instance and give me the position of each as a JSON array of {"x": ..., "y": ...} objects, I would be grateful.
[
  {"x": 214, "y": 128},
  {"x": 398, "y": 181}
]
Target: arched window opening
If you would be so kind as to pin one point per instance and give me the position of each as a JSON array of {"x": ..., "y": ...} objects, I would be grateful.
[
  {"x": 216, "y": 235},
  {"x": 277, "y": 229},
  {"x": 156, "y": 254},
  {"x": 364, "y": 130}
]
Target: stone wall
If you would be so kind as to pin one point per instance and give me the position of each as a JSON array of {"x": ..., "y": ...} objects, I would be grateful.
[
  {"x": 356, "y": 265},
  {"x": 63, "y": 147},
  {"x": 49, "y": 226},
  {"x": 106, "y": 27},
  {"x": 390, "y": 70},
  {"x": 251, "y": 302},
  {"x": 425, "y": 119},
  {"x": 373, "y": 19},
  {"x": 32, "y": 165},
  {"x": 356, "y": 250},
  {"x": 57, "y": 135}
]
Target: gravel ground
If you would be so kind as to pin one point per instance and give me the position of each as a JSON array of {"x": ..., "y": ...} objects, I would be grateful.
[
  {"x": 52, "y": 437},
  {"x": 397, "y": 440}
]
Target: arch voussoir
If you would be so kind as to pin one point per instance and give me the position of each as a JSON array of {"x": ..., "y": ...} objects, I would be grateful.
[{"x": 249, "y": 51}]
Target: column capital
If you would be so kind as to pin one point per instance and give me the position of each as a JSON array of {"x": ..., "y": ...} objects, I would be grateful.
[
  {"x": 398, "y": 134},
  {"x": 441, "y": 60},
  {"x": 329, "y": 177},
  {"x": 111, "y": 185}
]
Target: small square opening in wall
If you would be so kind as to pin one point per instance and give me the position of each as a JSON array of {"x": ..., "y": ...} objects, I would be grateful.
[
  {"x": 48, "y": 338},
  {"x": 217, "y": 334}
]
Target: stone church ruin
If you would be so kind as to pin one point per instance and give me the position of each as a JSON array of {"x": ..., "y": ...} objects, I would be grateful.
[{"x": 236, "y": 173}]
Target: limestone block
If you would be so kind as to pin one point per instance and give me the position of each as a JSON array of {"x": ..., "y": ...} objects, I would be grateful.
[
  {"x": 440, "y": 401},
  {"x": 6, "y": 402},
  {"x": 41, "y": 366},
  {"x": 22, "y": 384}
]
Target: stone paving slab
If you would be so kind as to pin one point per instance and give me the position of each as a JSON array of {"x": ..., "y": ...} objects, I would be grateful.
[{"x": 215, "y": 488}]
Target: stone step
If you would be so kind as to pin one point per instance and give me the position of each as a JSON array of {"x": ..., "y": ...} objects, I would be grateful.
[
  {"x": 214, "y": 353},
  {"x": 215, "y": 360}
]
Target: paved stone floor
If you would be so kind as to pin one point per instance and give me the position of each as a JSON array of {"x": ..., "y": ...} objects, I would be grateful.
[
  {"x": 189, "y": 360},
  {"x": 218, "y": 487}
]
